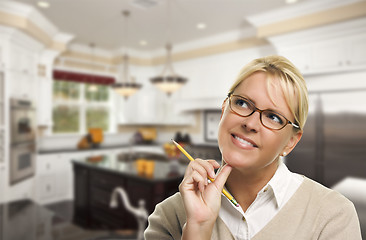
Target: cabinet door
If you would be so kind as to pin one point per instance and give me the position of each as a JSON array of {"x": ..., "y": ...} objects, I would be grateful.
[
  {"x": 328, "y": 55},
  {"x": 54, "y": 177},
  {"x": 300, "y": 56},
  {"x": 47, "y": 187},
  {"x": 356, "y": 52}
]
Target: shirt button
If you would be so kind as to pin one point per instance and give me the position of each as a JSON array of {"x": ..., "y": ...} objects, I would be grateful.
[
  {"x": 243, "y": 218},
  {"x": 265, "y": 190}
]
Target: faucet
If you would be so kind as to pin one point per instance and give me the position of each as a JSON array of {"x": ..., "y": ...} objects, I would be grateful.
[{"x": 139, "y": 212}]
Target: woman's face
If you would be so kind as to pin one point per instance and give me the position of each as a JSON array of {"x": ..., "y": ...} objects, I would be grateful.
[{"x": 244, "y": 142}]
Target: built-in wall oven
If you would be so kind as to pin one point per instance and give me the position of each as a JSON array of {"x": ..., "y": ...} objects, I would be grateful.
[{"x": 23, "y": 140}]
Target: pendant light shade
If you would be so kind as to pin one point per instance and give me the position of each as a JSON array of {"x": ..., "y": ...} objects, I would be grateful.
[
  {"x": 168, "y": 81},
  {"x": 92, "y": 87},
  {"x": 127, "y": 85}
]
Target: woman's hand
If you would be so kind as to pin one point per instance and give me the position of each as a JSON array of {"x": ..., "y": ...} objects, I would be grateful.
[{"x": 202, "y": 200}]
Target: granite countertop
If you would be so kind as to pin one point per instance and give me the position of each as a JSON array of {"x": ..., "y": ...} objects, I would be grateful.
[
  {"x": 136, "y": 165},
  {"x": 25, "y": 219},
  {"x": 102, "y": 147}
]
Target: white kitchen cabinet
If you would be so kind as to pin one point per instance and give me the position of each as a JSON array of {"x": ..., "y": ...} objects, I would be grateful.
[
  {"x": 328, "y": 56},
  {"x": 23, "y": 59},
  {"x": 50, "y": 182},
  {"x": 21, "y": 85},
  {"x": 356, "y": 52},
  {"x": 54, "y": 176},
  {"x": 20, "y": 66}
]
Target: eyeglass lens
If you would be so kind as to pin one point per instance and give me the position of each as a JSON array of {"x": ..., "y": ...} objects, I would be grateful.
[{"x": 245, "y": 108}]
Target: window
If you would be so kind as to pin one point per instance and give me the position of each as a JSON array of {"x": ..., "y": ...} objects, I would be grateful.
[{"x": 79, "y": 106}]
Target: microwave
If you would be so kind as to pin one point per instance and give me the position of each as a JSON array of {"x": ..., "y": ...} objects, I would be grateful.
[{"x": 22, "y": 121}]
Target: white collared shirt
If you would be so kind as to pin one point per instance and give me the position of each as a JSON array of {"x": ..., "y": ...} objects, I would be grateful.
[{"x": 269, "y": 201}]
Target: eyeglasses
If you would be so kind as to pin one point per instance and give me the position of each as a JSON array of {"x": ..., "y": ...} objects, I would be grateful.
[{"x": 270, "y": 119}]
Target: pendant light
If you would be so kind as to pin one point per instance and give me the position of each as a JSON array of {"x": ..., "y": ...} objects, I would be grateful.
[
  {"x": 92, "y": 87},
  {"x": 168, "y": 81},
  {"x": 127, "y": 85}
]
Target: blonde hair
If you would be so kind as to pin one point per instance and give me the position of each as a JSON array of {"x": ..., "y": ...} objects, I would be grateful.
[{"x": 291, "y": 82}]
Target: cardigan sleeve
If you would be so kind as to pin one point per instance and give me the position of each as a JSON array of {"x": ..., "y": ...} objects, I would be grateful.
[
  {"x": 167, "y": 220},
  {"x": 339, "y": 219}
]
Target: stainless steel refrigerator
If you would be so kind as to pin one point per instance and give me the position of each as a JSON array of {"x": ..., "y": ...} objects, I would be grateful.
[{"x": 333, "y": 145}]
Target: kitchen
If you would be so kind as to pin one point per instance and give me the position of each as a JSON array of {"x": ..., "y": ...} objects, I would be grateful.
[{"x": 326, "y": 40}]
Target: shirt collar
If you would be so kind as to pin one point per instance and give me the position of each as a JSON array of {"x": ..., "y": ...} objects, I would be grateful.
[{"x": 278, "y": 183}]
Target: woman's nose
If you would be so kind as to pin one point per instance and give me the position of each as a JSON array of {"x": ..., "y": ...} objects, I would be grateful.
[{"x": 252, "y": 122}]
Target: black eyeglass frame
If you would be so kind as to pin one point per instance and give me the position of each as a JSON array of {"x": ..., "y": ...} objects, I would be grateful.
[{"x": 260, "y": 113}]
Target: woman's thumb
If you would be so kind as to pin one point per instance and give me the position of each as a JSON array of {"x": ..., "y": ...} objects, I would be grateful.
[{"x": 221, "y": 178}]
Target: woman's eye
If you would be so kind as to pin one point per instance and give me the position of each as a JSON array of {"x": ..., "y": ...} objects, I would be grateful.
[
  {"x": 274, "y": 117},
  {"x": 242, "y": 103}
]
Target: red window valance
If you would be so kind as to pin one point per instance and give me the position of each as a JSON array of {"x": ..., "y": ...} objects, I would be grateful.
[{"x": 82, "y": 77}]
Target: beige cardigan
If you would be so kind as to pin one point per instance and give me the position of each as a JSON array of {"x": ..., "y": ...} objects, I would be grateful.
[{"x": 313, "y": 212}]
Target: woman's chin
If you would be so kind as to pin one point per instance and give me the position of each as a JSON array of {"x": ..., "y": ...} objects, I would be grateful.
[{"x": 235, "y": 160}]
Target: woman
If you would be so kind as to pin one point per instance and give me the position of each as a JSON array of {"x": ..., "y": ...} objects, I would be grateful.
[{"x": 262, "y": 120}]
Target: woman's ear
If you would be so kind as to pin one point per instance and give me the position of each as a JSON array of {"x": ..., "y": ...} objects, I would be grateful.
[{"x": 292, "y": 143}]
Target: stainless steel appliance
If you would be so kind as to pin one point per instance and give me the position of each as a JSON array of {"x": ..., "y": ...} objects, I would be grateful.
[
  {"x": 22, "y": 148},
  {"x": 334, "y": 142},
  {"x": 22, "y": 121}
]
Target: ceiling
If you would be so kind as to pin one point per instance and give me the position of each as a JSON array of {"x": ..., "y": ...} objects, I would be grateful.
[{"x": 155, "y": 21}]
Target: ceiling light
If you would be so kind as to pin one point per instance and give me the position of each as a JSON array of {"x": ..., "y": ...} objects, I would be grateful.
[
  {"x": 168, "y": 81},
  {"x": 92, "y": 87},
  {"x": 143, "y": 43},
  {"x": 43, "y": 4},
  {"x": 201, "y": 26},
  {"x": 127, "y": 85},
  {"x": 291, "y": 1}
]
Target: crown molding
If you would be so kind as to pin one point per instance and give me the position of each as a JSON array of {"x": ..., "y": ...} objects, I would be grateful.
[
  {"x": 29, "y": 12},
  {"x": 29, "y": 20},
  {"x": 296, "y": 10},
  {"x": 333, "y": 31}
]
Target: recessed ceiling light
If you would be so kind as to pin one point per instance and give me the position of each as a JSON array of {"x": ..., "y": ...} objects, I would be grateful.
[
  {"x": 143, "y": 43},
  {"x": 43, "y": 4},
  {"x": 201, "y": 26},
  {"x": 290, "y": 1}
]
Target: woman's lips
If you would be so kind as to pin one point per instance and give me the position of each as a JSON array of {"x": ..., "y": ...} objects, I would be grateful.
[{"x": 243, "y": 142}]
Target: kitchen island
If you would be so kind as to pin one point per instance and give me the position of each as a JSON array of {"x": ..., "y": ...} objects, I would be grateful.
[{"x": 96, "y": 178}]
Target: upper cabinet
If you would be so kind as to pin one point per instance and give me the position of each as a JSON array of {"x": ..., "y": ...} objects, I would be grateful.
[
  {"x": 332, "y": 48},
  {"x": 21, "y": 67},
  {"x": 336, "y": 55}
]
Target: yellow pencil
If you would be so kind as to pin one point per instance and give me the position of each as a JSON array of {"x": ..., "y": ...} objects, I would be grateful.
[{"x": 228, "y": 195}]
